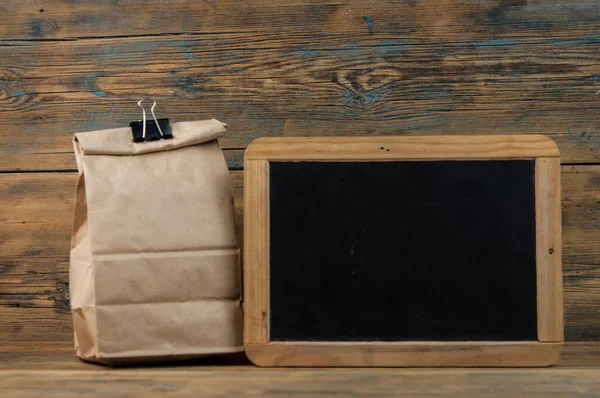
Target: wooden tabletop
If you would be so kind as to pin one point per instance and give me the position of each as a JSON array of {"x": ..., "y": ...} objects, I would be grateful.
[{"x": 53, "y": 371}]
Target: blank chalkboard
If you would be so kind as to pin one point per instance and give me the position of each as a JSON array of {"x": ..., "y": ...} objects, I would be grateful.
[
  {"x": 403, "y": 251},
  {"x": 395, "y": 251}
]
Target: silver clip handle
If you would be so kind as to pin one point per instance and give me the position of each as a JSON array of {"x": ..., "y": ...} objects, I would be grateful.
[{"x": 144, "y": 116}]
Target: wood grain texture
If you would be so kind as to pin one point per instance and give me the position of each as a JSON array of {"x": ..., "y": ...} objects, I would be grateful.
[
  {"x": 297, "y": 68},
  {"x": 64, "y": 19},
  {"x": 36, "y": 212},
  {"x": 549, "y": 250},
  {"x": 256, "y": 252},
  {"x": 403, "y": 148},
  {"x": 235, "y": 381},
  {"x": 418, "y": 354},
  {"x": 581, "y": 269},
  {"x": 35, "y": 224},
  {"x": 46, "y": 355}
]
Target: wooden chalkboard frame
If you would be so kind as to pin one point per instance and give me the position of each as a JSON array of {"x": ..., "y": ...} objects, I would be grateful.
[{"x": 543, "y": 352}]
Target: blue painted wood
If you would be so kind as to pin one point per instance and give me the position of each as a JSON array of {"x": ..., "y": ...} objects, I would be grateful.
[{"x": 273, "y": 68}]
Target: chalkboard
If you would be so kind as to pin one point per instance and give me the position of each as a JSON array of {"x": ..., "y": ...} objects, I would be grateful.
[
  {"x": 394, "y": 251},
  {"x": 403, "y": 251}
]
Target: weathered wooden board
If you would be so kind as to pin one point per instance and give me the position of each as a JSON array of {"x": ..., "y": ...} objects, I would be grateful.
[
  {"x": 35, "y": 224},
  {"x": 299, "y": 68},
  {"x": 234, "y": 381},
  {"x": 31, "y": 369},
  {"x": 61, "y": 356},
  {"x": 581, "y": 260},
  {"x": 62, "y": 19}
]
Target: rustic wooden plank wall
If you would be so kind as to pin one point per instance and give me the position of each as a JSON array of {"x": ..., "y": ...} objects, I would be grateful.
[{"x": 284, "y": 68}]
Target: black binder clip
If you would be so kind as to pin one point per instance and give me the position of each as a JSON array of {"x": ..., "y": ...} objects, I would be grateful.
[{"x": 151, "y": 130}]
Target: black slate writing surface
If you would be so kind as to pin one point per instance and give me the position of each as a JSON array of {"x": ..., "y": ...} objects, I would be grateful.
[{"x": 402, "y": 250}]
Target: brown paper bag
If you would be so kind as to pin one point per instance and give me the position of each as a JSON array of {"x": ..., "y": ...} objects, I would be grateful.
[{"x": 154, "y": 261}]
